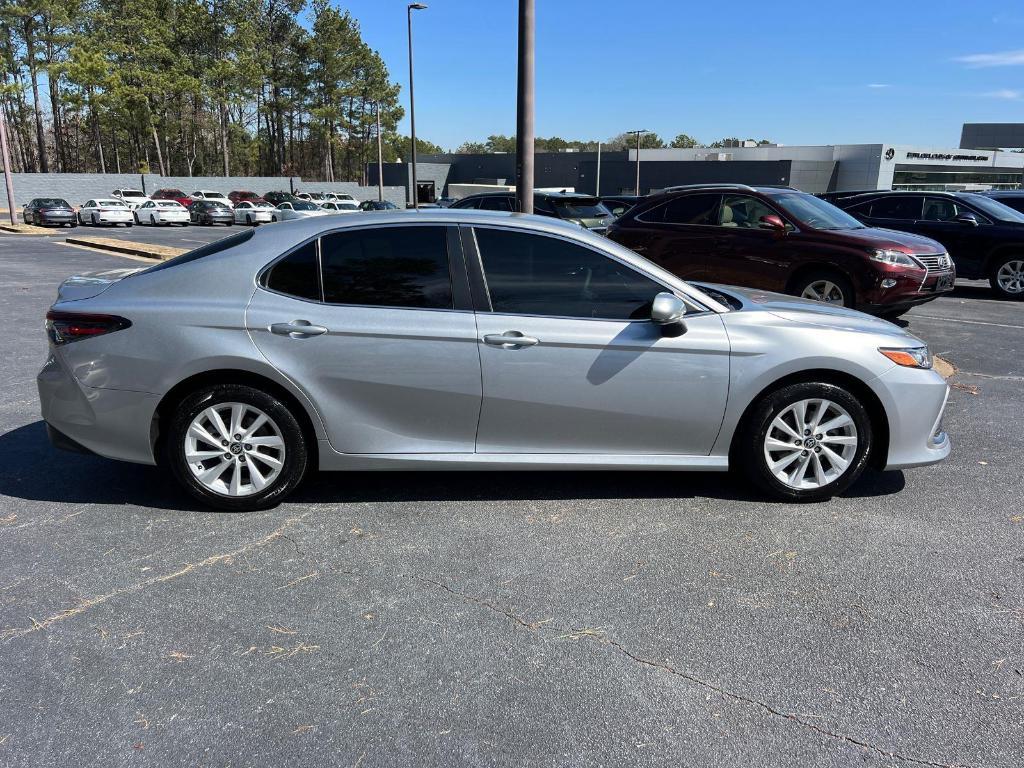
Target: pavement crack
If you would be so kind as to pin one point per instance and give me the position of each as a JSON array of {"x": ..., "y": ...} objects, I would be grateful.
[
  {"x": 91, "y": 602},
  {"x": 600, "y": 637}
]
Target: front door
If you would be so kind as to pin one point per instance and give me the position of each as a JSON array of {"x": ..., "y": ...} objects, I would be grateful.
[
  {"x": 572, "y": 364},
  {"x": 744, "y": 252},
  {"x": 377, "y": 337},
  {"x": 961, "y": 240}
]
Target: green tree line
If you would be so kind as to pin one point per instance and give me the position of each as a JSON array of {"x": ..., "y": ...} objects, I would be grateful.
[
  {"x": 507, "y": 144},
  {"x": 193, "y": 88}
]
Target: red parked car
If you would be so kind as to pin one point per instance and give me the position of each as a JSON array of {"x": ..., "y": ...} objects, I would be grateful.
[
  {"x": 239, "y": 195},
  {"x": 172, "y": 194},
  {"x": 784, "y": 240}
]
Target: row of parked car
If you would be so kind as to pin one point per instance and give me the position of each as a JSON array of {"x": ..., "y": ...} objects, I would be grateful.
[
  {"x": 879, "y": 251},
  {"x": 207, "y": 207}
]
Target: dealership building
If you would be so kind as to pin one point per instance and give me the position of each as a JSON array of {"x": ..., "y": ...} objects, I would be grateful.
[{"x": 816, "y": 168}]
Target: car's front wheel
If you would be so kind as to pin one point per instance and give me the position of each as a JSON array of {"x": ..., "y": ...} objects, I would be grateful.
[
  {"x": 805, "y": 442},
  {"x": 236, "y": 448},
  {"x": 1007, "y": 278},
  {"x": 825, "y": 286}
]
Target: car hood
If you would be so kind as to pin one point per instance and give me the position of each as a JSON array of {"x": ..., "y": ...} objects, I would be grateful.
[
  {"x": 808, "y": 312},
  {"x": 878, "y": 238}
]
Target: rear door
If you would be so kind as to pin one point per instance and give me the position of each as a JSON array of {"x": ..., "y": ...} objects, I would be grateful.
[
  {"x": 572, "y": 364},
  {"x": 678, "y": 235},
  {"x": 375, "y": 325},
  {"x": 901, "y": 212}
]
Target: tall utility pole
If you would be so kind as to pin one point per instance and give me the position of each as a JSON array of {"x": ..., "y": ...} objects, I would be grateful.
[
  {"x": 524, "y": 109},
  {"x": 380, "y": 160},
  {"x": 638, "y": 135},
  {"x": 6, "y": 157},
  {"x": 412, "y": 104},
  {"x": 597, "y": 184}
]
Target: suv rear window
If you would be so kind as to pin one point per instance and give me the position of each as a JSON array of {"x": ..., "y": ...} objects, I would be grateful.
[{"x": 686, "y": 209}]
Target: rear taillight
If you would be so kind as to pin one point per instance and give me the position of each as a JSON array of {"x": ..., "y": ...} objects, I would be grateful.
[{"x": 66, "y": 327}]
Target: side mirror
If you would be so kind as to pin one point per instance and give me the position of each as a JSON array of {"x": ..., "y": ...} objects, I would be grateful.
[
  {"x": 667, "y": 311},
  {"x": 968, "y": 219},
  {"x": 772, "y": 222}
]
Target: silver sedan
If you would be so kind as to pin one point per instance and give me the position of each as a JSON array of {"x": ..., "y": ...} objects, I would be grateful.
[{"x": 460, "y": 339}]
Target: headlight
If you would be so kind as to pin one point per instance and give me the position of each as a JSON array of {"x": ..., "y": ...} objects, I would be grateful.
[
  {"x": 908, "y": 357},
  {"x": 897, "y": 258}
]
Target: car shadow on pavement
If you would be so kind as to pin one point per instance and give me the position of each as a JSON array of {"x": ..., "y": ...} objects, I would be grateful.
[{"x": 33, "y": 469}]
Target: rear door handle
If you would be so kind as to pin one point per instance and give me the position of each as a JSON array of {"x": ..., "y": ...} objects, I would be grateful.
[
  {"x": 297, "y": 329},
  {"x": 510, "y": 340}
]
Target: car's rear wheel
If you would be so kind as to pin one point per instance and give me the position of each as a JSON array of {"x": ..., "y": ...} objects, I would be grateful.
[
  {"x": 236, "y": 448},
  {"x": 805, "y": 442},
  {"x": 825, "y": 286},
  {"x": 248, "y": 219},
  {"x": 1007, "y": 278}
]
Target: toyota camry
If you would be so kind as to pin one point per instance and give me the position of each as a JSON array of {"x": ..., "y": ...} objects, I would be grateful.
[{"x": 462, "y": 339}]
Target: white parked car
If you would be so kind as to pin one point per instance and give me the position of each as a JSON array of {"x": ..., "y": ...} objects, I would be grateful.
[
  {"x": 340, "y": 196},
  {"x": 105, "y": 211},
  {"x": 133, "y": 198},
  {"x": 162, "y": 212},
  {"x": 300, "y": 209},
  {"x": 209, "y": 194},
  {"x": 340, "y": 206},
  {"x": 313, "y": 197},
  {"x": 253, "y": 212}
]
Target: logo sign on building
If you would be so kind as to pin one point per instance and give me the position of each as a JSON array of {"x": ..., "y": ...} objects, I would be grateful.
[
  {"x": 943, "y": 156},
  {"x": 890, "y": 153}
]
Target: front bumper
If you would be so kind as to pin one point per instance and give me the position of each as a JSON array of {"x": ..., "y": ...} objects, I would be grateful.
[
  {"x": 914, "y": 401},
  {"x": 109, "y": 422},
  {"x": 898, "y": 290}
]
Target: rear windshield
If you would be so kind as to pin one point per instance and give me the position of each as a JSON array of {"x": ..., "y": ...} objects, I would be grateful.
[
  {"x": 169, "y": 204},
  {"x": 580, "y": 209},
  {"x": 245, "y": 195},
  {"x": 114, "y": 203},
  {"x": 55, "y": 202},
  {"x": 204, "y": 250}
]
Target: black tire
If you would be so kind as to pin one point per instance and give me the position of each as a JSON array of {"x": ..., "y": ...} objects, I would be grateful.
[
  {"x": 135, "y": 215},
  {"x": 296, "y": 457},
  {"x": 807, "y": 279},
  {"x": 749, "y": 456},
  {"x": 993, "y": 278},
  {"x": 248, "y": 219}
]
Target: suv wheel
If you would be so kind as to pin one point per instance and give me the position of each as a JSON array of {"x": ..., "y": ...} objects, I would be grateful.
[
  {"x": 1007, "y": 277},
  {"x": 825, "y": 286},
  {"x": 805, "y": 442},
  {"x": 236, "y": 448}
]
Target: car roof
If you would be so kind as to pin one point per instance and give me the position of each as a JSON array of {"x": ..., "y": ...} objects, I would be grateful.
[{"x": 552, "y": 195}]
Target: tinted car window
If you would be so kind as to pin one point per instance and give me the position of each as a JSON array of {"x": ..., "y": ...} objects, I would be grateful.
[
  {"x": 940, "y": 209},
  {"x": 388, "y": 266},
  {"x": 537, "y": 275},
  {"x": 742, "y": 211},
  {"x": 297, "y": 274},
  {"x": 204, "y": 250},
  {"x": 1013, "y": 201},
  {"x": 495, "y": 204},
  {"x": 687, "y": 209},
  {"x": 902, "y": 207}
]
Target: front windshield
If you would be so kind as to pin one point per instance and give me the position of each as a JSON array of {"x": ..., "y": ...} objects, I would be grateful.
[
  {"x": 302, "y": 205},
  {"x": 132, "y": 193},
  {"x": 815, "y": 212},
  {"x": 580, "y": 209},
  {"x": 995, "y": 209}
]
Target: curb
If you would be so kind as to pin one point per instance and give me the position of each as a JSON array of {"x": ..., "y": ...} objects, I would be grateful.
[
  {"x": 161, "y": 252},
  {"x": 27, "y": 229}
]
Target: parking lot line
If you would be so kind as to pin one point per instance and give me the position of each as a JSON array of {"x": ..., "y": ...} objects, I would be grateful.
[{"x": 969, "y": 322}]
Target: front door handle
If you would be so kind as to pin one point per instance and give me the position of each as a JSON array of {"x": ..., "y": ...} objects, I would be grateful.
[
  {"x": 297, "y": 329},
  {"x": 510, "y": 340}
]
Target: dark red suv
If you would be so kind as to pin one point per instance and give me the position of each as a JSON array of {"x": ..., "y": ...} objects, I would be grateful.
[{"x": 785, "y": 240}]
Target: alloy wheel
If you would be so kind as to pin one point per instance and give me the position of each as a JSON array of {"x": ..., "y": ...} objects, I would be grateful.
[
  {"x": 1010, "y": 276},
  {"x": 234, "y": 449},
  {"x": 810, "y": 444},
  {"x": 824, "y": 291}
]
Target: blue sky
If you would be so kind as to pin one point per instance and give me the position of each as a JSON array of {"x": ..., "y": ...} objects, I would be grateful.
[{"x": 795, "y": 72}]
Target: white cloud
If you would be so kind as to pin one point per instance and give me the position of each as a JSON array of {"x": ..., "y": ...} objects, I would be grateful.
[
  {"x": 1006, "y": 94},
  {"x": 1001, "y": 59},
  {"x": 879, "y": 85}
]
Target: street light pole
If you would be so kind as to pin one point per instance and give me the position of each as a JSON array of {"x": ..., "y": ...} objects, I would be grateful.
[
  {"x": 597, "y": 186},
  {"x": 638, "y": 135},
  {"x": 525, "y": 108},
  {"x": 8, "y": 180},
  {"x": 412, "y": 104},
  {"x": 380, "y": 160}
]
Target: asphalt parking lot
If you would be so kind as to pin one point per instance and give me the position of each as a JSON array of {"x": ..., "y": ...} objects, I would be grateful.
[{"x": 513, "y": 619}]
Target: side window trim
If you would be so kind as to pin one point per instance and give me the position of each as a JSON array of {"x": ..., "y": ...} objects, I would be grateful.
[{"x": 486, "y": 306}]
